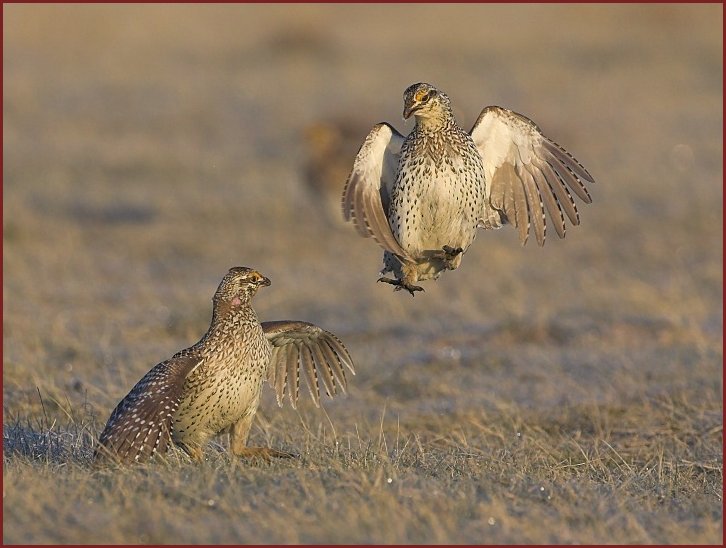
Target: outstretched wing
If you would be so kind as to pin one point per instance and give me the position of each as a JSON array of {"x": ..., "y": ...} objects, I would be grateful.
[
  {"x": 525, "y": 171},
  {"x": 367, "y": 192},
  {"x": 141, "y": 424},
  {"x": 304, "y": 346}
]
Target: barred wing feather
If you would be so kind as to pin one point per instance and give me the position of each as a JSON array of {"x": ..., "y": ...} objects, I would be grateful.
[
  {"x": 141, "y": 424},
  {"x": 527, "y": 172},
  {"x": 367, "y": 192},
  {"x": 304, "y": 347}
]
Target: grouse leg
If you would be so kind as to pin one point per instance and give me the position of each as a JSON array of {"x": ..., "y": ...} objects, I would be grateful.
[
  {"x": 400, "y": 284},
  {"x": 238, "y": 443},
  {"x": 450, "y": 256}
]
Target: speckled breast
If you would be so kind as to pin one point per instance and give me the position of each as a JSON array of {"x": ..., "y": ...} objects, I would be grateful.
[
  {"x": 437, "y": 198},
  {"x": 225, "y": 387}
]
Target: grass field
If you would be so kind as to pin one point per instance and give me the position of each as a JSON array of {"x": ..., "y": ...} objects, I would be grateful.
[{"x": 569, "y": 394}]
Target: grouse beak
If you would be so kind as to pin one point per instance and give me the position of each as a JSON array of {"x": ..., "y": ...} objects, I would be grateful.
[
  {"x": 264, "y": 281},
  {"x": 411, "y": 108}
]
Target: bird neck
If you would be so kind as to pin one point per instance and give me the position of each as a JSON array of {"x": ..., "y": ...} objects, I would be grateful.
[
  {"x": 432, "y": 124},
  {"x": 226, "y": 314}
]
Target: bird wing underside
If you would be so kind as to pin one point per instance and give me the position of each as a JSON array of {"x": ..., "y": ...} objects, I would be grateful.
[
  {"x": 302, "y": 346},
  {"x": 367, "y": 192},
  {"x": 141, "y": 424},
  {"x": 527, "y": 172}
]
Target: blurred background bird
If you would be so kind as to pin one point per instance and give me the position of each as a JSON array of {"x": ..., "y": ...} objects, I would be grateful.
[{"x": 329, "y": 144}]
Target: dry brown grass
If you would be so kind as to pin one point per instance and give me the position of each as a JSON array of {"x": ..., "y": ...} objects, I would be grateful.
[{"x": 570, "y": 394}]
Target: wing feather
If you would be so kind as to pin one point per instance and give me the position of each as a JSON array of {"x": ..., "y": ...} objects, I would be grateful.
[
  {"x": 336, "y": 365},
  {"x": 508, "y": 195},
  {"x": 326, "y": 370},
  {"x": 308, "y": 365},
  {"x": 547, "y": 194},
  {"x": 285, "y": 356},
  {"x": 311, "y": 377},
  {"x": 564, "y": 198},
  {"x": 293, "y": 376},
  {"x": 271, "y": 371},
  {"x": 536, "y": 207},
  {"x": 141, "y": 424},
  {"x": 569, "y": 161},
  {"x": 365, "y": 197},
  {"x": 319, "y": 353},
  {"x": 522, "y": 166}
]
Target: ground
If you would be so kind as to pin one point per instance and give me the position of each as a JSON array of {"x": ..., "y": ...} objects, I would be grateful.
[{"x": 566, "y": 394}]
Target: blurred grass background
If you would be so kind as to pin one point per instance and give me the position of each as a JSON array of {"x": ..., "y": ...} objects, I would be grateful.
[{"x": 147, "y": 149}]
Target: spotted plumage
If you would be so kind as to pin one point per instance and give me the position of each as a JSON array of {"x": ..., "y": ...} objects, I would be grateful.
[
  {"x": 214, "y": 386},
  {"x": 423, "y": 197}
]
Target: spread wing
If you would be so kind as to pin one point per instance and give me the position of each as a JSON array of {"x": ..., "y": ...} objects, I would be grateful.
[
  {"x": 304, "y": 346},
  {"x": 367, "y": 192},
  {"x": 526, "y": 172},
  {"x": 141, "y": 424}
]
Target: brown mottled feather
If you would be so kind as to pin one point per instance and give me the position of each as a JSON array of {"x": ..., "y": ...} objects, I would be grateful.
[{"x": 142, "y": 423}]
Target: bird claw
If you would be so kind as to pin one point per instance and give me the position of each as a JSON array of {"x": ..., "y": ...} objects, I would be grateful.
[
  {"x": 448, "y": 256},
  {"x": 451, "y": 252},
  {"x": 402, "y": 285}
]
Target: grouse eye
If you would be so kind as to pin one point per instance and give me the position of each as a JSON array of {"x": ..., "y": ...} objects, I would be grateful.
[{"x": 422, "y": 96}]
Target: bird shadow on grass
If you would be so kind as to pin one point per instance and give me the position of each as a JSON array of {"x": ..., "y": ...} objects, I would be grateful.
[
  {"x": 50, "y": 444},
  {"x": 47, "y": 441},
  {"x": 42, "y": 439}
]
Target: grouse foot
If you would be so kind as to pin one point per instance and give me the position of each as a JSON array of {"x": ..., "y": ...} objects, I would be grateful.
[
  {"x": 449, "y": 255},
  {"x": 451, "y": 252},
  {"x": 400, "y": 284}
]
